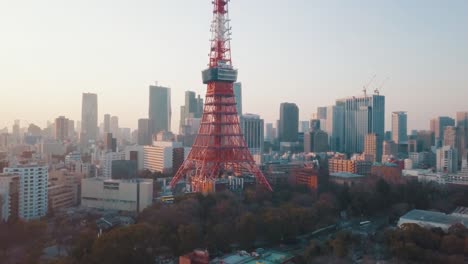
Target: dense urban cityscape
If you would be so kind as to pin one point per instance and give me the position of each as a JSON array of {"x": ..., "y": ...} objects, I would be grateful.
[{"x": 228, "y": 187}]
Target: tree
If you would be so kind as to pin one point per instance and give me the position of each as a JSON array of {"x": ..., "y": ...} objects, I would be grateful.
[{"x": 247, "y": 230}]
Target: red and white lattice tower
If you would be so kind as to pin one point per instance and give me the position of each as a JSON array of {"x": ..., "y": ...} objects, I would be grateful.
[{"x": 219, "y": 149}]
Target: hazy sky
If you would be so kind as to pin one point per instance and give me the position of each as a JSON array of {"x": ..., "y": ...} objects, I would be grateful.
[{"x": 303, "y": 51}]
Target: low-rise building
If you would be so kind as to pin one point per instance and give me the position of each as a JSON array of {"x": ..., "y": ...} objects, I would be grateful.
[
  {"x": 430, "y": 219},
  {"x": 124, "y": 195},
  {"x": 352, "y": 166},
  {"x": 346, "y": 178}
]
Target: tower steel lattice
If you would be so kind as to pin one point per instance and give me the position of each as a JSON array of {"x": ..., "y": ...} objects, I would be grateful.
[{"x": 219, "y": 149}]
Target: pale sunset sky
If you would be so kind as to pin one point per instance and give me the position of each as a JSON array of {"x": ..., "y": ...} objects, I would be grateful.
[{"x": 303, "y": 51}]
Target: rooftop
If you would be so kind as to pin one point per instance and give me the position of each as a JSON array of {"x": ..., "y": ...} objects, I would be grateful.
[
  {"x": 347, "y": 175},
  {"x": 267, "y": 257},
  {"x": 434, "y": 217}
]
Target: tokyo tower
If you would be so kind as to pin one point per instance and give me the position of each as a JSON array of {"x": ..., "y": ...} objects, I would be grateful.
[{"x": 219, "y": 150}]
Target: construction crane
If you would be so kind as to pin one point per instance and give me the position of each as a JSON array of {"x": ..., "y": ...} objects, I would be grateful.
[
  {"x": 364, "y": 88},
  {"x": 377, "y": 90}
]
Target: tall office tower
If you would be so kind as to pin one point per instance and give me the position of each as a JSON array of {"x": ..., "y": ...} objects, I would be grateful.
[
  {"x": 322, "y": 113},
  {"x": 316, "y": 141},
  {"x": 335, "y": 127},
  {"x": 107, "y": 123},
  {"x": 114, "y": 126},
  {"x": 89, "y": 118},
  {"x": 9, "y": 196},
  {"x": 425, "y": 140},
  {"x": 71, "y": 128},
  {"x": 363, "y": 115},
  {"x": 61, "y": 128},
  {"x": 447, "y": 159},
  {"x": 400, "y": 127},
  {"x": 193, "y": 108},
  {"x": 238, "y": 94},
  {"x": 269, "y": 132},
  {"x": 373, "y": 147},
  {"x": 16, "y": 132},
  {"x": 144, "y": 132},
  {"x": 252, "y": 128},
  {"x": 33, "y": 198},
  {"x": 462, "y": 119},
  {"x": 438, "y": 125},
  {"x": 450, "y": 136},
  {"x": 219, "y": 150},
  {"x": 315, "y": 124},
  {"x": 304, "y": 126},
  {"x": 289, "y": 122},
  {"x": 160, "y": 112}
]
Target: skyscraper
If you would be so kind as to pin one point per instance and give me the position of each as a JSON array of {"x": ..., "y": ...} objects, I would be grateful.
[
  {"x": 400, "y": 127},
  {"x": 61, "y": 128},
  {"x": 335, "y": 126},
  {"x": 252, "y": 128},
  {"x": 89, "y": 118},
  {"x": 447, "y": 159},
  {"x": 269, "y": 132},
  {"x": 114, "y": 126},
  {"x": 362, "y": 115},
  {"x": 322, "y": 113},
  {"x": 438, "y": 125},
  {"x": 160, "y": 108},
  {"x": 425, "y": 139},
  {"x": 316, "y": 141},
  {"x": 462, "y": 119},
  {"x": 289, "y": 122},
  {"x": 144, "y": 132},
  {"x": 238, "y": 94},
  {"x": 107, "y": 122},
  {"x": 193, "y": 108}
]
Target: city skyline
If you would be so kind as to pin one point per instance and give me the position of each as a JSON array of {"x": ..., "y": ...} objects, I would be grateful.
[{"x": 337, "y": 57}]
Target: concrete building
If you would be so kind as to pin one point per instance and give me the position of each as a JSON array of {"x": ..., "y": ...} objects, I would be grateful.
[
  {"x": 390, "y": 149},
  {"x": 425, "y": 139},
  {"x": 9, "y": 196},
  {"x": 107, "y": 124},
  {"x": 136, "y": 152},
  {"x": 337, "y": 165},
  {"x": 400, "y": 127},
  {"x": 160, "y": 156},
  {"x": 316, "y": 141},
  {"x": 335, "y": 127},
  {"x": 122, "y": 195},
  {"x": 447, "y": 159},
  {"x": 106, "y": 160},
  {"x": 61, "y": 128},
  {"x": 144, "y": 132},
  {"x": 346, "y": 178},
  {"x": 362, "y": 115},
  {"x": 238, "y": 94},
  {"x": 64, "y": 189},
  {"x": 373, "y": 147},
  {"x": 450, "y": 136},
  {"x": 269, "y": 132},
  {"x": 160, "y": 111},
  {"x": 289, "y": 122},
  {"x": 89, "y": 118},
  {"x": 252, "y": 128},
  {"x": 438, "y": 125},
  {"x": 193, "y": 108},
  {"x": 33, "y": 198}
]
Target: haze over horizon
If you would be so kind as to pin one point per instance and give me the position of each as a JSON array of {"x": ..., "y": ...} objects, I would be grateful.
[{"x": 306, "y": 52}]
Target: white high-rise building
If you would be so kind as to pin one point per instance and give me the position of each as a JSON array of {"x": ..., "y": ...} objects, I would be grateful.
[
  {"x": 400, "y": 127},
  {"x": 33, "y": 198},
  {"x": 159, "y": 156},
  {"x": 447, "y": 159},
  {"x": 252, "y": 128}
]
